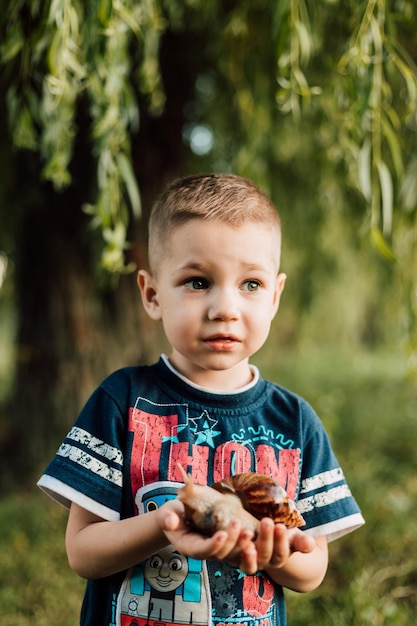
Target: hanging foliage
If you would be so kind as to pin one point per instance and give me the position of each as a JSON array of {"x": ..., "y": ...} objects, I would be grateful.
[
  {"x": 351, "y": 61},
  {"x": 60, "y": 52}
]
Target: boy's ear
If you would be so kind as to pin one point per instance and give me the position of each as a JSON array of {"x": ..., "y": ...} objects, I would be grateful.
[
  {"x": 149, "y": 292},
  {"x": 279, "y": 288}
]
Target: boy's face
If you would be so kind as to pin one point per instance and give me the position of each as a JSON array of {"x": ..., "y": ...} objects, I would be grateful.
[{"x": 216, "y": 292}]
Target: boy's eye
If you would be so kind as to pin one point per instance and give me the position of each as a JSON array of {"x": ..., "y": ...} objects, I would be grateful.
[
  {"x": 251, "y": 285},
  {"x": 196, "y": 283}
]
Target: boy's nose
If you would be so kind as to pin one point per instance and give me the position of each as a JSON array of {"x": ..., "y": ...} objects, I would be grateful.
[{"x": 223, "y": 306}]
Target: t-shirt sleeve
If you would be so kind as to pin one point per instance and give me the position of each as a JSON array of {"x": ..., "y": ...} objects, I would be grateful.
[
  {"x": 325, "y": 500},
  {"x": 88, "y": 466}
]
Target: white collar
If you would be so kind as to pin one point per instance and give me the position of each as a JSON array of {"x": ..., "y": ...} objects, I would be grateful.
[{"x": 223, "y": 392}]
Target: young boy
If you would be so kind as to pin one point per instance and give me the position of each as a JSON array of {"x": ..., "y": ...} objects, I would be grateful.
[{"x": 214, "y": 283}]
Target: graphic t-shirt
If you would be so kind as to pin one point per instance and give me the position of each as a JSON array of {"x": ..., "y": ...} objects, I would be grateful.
[{"x": 121, "y": 457}]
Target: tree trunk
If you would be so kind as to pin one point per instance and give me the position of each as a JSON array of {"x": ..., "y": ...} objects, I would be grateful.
[{"x": 73, "y": 330}]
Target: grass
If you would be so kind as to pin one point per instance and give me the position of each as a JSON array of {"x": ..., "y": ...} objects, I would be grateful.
[
  {"x": 369, "y": 409},
  {"x": 36, "y": 585}
]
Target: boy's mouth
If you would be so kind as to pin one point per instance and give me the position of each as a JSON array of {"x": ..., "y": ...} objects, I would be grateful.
[{"x": 222, "y": 343}]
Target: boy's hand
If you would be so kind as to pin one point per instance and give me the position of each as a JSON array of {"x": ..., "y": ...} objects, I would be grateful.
[
  {"x": 224, "y": 545},
  {"x": 273, "y": 547}
]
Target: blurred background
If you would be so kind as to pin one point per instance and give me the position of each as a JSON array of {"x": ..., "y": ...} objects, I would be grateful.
[{"x": 102, "y": 103}]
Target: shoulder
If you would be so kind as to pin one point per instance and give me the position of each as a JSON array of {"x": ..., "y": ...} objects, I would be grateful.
[
  {"x": 126, "y": 386},
  {"x": 126, "y": 379},
  {"x": 121, "y": 378},
  {"x": 290, "y": 401},
  {"x": 117, "y": 391}
]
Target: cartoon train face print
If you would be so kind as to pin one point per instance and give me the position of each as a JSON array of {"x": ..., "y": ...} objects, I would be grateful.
[{"x": 166, "y": 588}]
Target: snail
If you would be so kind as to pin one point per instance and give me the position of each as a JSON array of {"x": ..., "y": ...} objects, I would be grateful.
[{"x": 248, "y": 497}]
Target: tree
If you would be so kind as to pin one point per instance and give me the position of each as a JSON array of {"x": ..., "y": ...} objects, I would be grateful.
[{"x": 107, "y": 99}]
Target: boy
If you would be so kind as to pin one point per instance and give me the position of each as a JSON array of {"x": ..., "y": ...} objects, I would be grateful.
[{"x": 214, "y": 283}]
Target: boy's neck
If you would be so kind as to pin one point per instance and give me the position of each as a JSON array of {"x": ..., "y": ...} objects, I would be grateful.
[{"x": 216, "y": 381}]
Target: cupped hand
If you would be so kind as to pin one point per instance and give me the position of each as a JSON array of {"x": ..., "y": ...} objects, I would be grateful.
[
  {"x": 273, "y": 547},
  {"x": 224, "y": 545}
]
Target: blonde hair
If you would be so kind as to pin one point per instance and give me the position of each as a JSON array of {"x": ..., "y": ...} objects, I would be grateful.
[{"x": 213, "y": 197}]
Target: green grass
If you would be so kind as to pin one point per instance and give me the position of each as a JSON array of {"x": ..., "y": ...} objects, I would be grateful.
[
  {"x": 370, "y": 411},
  {"x": 36, "y": 584}
]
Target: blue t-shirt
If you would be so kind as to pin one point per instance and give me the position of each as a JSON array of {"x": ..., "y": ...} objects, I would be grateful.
[{"x": 120, "y": 459}]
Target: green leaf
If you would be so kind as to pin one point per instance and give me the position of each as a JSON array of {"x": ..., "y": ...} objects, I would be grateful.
[
  {"x": 407, "y": 69},
  {"x": 364, "y": 169},
  {"x": 24, "y": 132},
  {"x": 392, "y": 138},
  {"x": 127, "y": 16},
  {"x": 304, "y": 41},
  {"x": 385, "y": 181},
  {"x": 104, "y": 12},
  {"x": 380, "y": 243},
  {"x": 408, "y": 190},
  {"x": 12, "y": 45},
  {"x": 126, "y": 172}
]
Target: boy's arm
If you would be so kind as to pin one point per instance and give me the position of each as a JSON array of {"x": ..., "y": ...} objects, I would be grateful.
[
  {"x": 98, "y": 548},
  {"x": 303, "y": 571},
  {"x": 291, "y": 558}
]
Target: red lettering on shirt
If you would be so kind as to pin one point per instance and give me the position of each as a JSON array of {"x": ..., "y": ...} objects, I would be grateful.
[
  {"x": 258, "y": 594},
  {"x": 288, "y": 471},
  {"x": 149, "y": 431},
  {"x": 231, "y": 458},
  {"x": 197, "y": 461}
]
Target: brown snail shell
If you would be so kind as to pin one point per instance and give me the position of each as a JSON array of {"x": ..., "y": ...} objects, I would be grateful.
[
  {"x": 263, "y": 497},
  {"x": 248, "y": 497}
]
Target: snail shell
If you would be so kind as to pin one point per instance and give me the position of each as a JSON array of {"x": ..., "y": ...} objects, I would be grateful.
[
  {"x": 263, "y": 497},
  {"x": 248, "y": 497}
]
